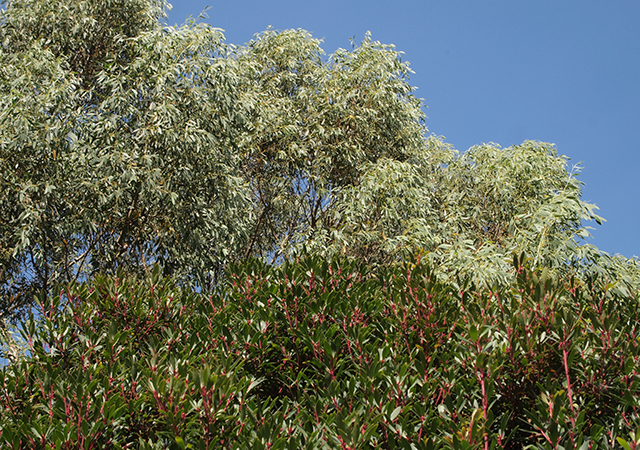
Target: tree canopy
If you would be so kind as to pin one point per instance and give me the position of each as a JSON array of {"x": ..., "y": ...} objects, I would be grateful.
[{"x": 126, "y": 143}]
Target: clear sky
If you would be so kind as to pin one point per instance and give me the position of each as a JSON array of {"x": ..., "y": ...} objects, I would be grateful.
[{"x": 501, "y": 71}]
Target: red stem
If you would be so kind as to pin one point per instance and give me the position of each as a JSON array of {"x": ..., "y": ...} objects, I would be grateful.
[{"x": 565, "y": 360}]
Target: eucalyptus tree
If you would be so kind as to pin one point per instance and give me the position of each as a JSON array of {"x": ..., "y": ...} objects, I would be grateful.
[
  {"x": 86, "y": 33},
  {"x": 117, "y": 146},
  {"x": 469, "y": 212},
  {"x": 315, "y": 124}
]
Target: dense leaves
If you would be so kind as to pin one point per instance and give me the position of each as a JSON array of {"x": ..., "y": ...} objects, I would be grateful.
[
  {"x": 141, "y": 164},
  {"x": 328, "y": 355},
  {"x": 151, "y": 144},
  {"x": 123, "y": 162},
  {"x": 470, "y": 211},
  {"x": 314, "y": 127},
  {"x": 87, "y": 32},
  {"x": 164, "y": 145}
]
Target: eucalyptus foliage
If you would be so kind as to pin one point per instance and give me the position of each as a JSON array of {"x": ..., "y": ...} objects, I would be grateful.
[
  {"x": 315, "y": 125},
  {"x": 153, "y": 144},
  {"x": 115, "y": 155}
]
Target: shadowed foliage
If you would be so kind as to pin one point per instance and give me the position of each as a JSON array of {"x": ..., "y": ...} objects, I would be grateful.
[{"x": 317, "y": 354}]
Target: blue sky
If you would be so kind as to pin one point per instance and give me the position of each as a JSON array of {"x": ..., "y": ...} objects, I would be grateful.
[{"x": 501, "y": 71}]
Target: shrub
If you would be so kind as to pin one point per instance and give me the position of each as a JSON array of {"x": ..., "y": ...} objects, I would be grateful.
[{"x": 317, "y": 354}]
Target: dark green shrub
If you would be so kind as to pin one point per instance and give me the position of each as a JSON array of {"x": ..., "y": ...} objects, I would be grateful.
[{"x": 315, "y": 354}]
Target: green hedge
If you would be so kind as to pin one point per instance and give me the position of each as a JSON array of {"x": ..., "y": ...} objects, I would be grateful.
[{"x": 314, "y": 354}]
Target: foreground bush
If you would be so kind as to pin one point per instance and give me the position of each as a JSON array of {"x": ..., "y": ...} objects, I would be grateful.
[{"x": 324, "y": 355}]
